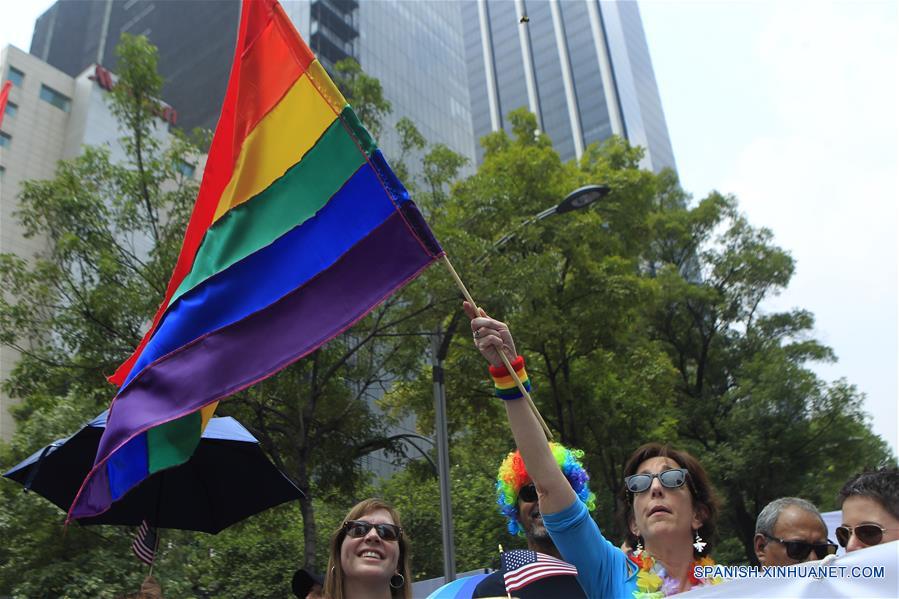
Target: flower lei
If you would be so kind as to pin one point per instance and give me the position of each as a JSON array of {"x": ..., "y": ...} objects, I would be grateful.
[{"x": 653, "y": 581}]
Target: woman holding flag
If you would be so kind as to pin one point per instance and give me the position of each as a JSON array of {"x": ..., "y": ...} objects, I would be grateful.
[{"x": 670, "y": 506}]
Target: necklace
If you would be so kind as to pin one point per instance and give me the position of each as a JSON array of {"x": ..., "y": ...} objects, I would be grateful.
[{"x": 653, "y": 581}]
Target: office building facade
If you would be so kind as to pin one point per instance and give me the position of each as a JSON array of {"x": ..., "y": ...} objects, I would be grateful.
[
  {"x": 50, "y": 117},
  {"x": 581, "y": 66}
]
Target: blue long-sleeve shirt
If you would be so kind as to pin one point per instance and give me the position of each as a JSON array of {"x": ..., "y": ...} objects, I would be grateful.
[{"x": 603, "y": 569}]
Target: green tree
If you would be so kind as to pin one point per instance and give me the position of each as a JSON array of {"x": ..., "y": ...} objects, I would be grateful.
[
  {"x": 77, "y": 310},
  {"x": 571, "y": 288},
  {"x": 748, "y": 402}
]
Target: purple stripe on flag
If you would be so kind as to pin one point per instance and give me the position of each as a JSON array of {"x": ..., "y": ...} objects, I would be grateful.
[
  {"x": 96, "y": 497},
  {"x": 246, "y": 352}
]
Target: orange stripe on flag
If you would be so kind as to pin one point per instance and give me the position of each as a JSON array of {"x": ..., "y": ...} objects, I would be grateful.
[{"x": 271, "y": 68}]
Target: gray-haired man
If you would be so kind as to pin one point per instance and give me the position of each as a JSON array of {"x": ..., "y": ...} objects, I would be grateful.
[{"x": 789, "y": 531}]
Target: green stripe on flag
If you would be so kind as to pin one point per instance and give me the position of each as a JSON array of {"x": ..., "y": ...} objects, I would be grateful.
[
  {"x": 174, "y": 442},
  {"x": 286, "y": 203}
]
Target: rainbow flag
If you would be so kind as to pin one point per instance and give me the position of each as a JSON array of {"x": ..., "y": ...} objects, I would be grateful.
[
  {"x": 299, "y": 230},
  {"x": 4, "y": 96}
]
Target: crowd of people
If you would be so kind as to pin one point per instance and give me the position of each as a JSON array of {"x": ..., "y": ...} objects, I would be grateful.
[{"x": 669, "y": 516}]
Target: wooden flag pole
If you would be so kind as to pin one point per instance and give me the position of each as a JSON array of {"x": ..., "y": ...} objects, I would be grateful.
[
  {"x": 518, "y": 383},
  {"x": 155, "y": 552},
  {"x": 508, "y": 594}
]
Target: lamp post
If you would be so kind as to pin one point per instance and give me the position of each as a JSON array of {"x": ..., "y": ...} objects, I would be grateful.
[
  {"x": 443, "y": 464},
  {"x": 576, "y": 200}
]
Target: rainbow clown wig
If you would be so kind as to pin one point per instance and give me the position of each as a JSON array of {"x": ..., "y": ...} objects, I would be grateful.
[{"x": 513, "y": 475}]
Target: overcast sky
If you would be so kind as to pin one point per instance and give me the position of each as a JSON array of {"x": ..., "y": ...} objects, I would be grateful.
[{"x": 792, "y": 107}]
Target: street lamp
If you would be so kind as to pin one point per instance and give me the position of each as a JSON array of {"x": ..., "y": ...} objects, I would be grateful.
[
  {"x": 581, "y": 198},
  {"x": 576, "y": 200}
]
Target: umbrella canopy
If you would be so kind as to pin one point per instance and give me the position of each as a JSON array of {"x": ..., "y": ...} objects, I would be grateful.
[
  {"x": 227, "y": 479},
  {"x": 461, "y": 588}
]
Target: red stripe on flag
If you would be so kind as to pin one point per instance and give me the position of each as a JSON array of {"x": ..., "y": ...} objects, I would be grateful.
[
  {"x": 4, "y": 96},
  {"x": 144, "y": 544},
  {"x": 248, "y": 98},
  {"x": 544, "y": 567}
]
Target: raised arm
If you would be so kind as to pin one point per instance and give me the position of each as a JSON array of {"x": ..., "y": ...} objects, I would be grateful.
[{"x": 555, "y": 493}]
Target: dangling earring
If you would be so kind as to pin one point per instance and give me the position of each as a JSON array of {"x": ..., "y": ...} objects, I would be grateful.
[
  {"x": 699, "y": 544},
  {"x": 639, "y": 548},
  {"x": 397, "y": 585}
]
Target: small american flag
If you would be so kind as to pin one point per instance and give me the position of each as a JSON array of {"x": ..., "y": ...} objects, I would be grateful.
[
  {"x": 144, "y": 544},
  {"x": 522, "y": 567}
]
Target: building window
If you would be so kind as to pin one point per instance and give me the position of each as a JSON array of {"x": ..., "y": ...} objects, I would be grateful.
[
  {"x": 52, "y": 96},
  {"x": 2, "y": 171},
  {"x": 5, "y": 139},
  {"x": 11, "y": 109},
  {"x": 16, "y": 76}
]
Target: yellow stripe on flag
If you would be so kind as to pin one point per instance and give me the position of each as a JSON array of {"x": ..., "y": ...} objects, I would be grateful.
[
  {"x": 279, "y": 141},
  {"x": 205, "y": 414},
  {"x": 326, "y": 87}
]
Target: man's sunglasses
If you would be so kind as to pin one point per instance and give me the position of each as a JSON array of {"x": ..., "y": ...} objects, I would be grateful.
[
  {"x": 359, "y": 528},
  {"x": 799, "y": 550},
  {"x": 869, "y": 534},
  {"x": 670, "y": 479},
  {"x": 528, "y": 493}
]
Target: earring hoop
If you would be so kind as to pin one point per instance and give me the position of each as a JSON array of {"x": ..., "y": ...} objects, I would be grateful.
[{"x": 397, "y": 585}]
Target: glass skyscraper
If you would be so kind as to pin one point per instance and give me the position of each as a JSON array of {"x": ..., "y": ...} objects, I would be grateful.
[
  {"x": 582, "y": 66},
  {"x": 195, "y": 40},
  {"x": 416, "y": 49}
]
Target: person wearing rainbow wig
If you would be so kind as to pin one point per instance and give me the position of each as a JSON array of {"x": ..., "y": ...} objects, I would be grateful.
[{"x": 517, "y": 499}]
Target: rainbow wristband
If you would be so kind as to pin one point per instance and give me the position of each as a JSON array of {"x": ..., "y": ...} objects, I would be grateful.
[{"x": 504, "y": 385}]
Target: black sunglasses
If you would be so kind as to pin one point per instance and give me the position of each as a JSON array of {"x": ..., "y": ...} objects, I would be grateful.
[
  {"x": 799, "y": 550},
  {"x": 528, "y": 493},
  {"x": 359, "y": 528},
  {"x": 670, "y": 479},
  {"x": 869, "y": 534}
]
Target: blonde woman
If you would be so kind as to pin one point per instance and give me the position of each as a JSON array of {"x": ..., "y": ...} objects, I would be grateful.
[{"x": 369, "y": 555}]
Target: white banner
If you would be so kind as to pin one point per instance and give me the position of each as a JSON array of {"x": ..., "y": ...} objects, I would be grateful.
[{"x": 867, "y": 573}]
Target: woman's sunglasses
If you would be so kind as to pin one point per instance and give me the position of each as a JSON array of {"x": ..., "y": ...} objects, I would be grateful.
[
  {"x": 799, "y": 550},
  {"x": 528, "y": 493},
  {"x": 359, "y": 528},
  {"x": 670, "y": 479},
  {"x": 869, "y": 534}
]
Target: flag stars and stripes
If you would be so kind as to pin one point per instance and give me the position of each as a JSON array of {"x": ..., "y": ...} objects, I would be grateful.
[
  {"x": 145, "y": 542},
  {"x": 522, "y": 567}
]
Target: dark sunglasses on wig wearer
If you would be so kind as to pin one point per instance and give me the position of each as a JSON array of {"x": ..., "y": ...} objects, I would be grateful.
[
  {"x": 528, "y": 493},
  {"x": 359, "y": 528},
  {"x": 869, "y": 534},
  {"x": 670, "y": 479},
  {"x": 799, "y": 550}
]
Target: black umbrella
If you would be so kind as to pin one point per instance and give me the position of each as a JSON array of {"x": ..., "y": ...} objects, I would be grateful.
[{"x": 226, "y": 480}]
